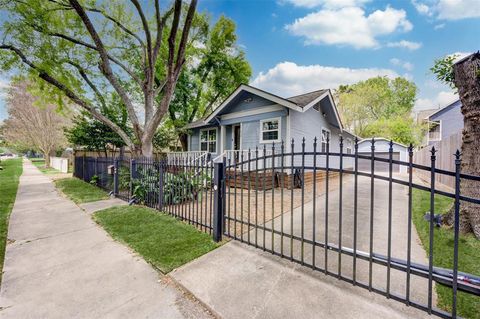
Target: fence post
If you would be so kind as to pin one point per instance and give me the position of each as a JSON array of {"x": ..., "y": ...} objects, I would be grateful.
[
  {"x": 96, "y": 166},
  {"x": 160, "y": 185},
  {"x": 132, "y": 168},
  {"x": 218, "y": 201},
  {"x": 458, "y": 163},
  {"x": 115, "y": 177}
]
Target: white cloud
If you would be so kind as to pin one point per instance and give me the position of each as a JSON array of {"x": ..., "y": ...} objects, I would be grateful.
[
  {"x": 422, "y": 8},
  {"x": 449, "y": 9},
  {"x": 443, "y": 98},
  {"x": 331, "y": 4},
  {"x": 288, "y": 79},
  {"x": 439, "y": 26},
  {"x": 404, "y": 64},
  {"x": 460, "y": 55},
  {"x": 458, "y": 9},
  {"x": 405, "y": 44},
  {"x": 349, "y": 26}
]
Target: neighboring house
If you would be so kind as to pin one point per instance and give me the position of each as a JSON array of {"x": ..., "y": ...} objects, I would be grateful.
[
  {"x": 444, "y": 122},
  {"x": 251, "y": 118},
  {"x": 382, "y": 146}
]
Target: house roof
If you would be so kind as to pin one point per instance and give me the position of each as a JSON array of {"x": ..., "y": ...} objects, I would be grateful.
[
  {"x": 303, "y": 100},
  {"x": 381, "y": 139},
  {"x": 299, "y": 103},
  {"x": 442, "y": 109}
]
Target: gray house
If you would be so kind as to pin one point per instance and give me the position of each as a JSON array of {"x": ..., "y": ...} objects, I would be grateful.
[
  {"x": 444, "y": 122},
  {"x": 251, "y": 118}
]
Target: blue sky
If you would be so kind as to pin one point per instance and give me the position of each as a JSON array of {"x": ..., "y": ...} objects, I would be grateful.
[{"x": 295, "y": 46}]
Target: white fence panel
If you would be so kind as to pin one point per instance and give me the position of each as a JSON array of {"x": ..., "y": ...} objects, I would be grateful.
[{"x": 59, "y": 163}]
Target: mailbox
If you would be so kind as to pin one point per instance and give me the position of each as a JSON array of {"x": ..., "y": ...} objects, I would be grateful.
[{"x": 111, "y": 169}]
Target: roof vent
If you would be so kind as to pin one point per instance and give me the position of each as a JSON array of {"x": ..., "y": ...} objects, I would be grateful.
[{"x": 248, "y": 100}]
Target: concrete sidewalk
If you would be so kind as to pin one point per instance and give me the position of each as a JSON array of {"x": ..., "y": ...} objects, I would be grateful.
[
  {"x": 239, "y": 281},
  {"x": 60, "y": 264}
]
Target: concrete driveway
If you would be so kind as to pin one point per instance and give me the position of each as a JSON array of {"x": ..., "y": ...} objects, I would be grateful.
[
  {"x": 240, "y": 281},
  {"x": 60, "y": 264}
]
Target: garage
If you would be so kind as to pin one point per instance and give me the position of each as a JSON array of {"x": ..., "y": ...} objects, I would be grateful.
[
  {"x": 382, "y": 145},
  {"x": 365, "y": 165}
]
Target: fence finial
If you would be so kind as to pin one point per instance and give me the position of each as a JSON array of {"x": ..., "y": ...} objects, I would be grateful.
[{"x": 390, "y": 149}]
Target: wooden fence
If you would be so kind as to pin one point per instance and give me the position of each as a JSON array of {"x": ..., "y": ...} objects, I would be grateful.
[{"x": 445, "y": 159}]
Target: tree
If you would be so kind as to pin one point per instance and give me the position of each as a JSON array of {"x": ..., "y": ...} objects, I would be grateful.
[
  {"x": 31, "y": 126},
  {"x": 464, "y": 75},
  {"x": 85, "y": 50},
  {"x": 94, "y": 135},
  {"x": 218, "y": 67},
  {"x": 380, "y": 107}
]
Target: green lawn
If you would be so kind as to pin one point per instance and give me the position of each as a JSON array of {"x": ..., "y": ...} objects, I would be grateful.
[
  {"x": 162, "y": 240},
  {"x": 468, "y": 253},
  {"x": 80, "y": 191},
  {"x": 12, "y": 169},
  {"x": 40, "y": 164}
]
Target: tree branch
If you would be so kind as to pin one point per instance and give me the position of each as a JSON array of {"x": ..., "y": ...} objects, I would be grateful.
[
  {"x": 107, "y": 69},
  {"x": 84, "y": 75},
  {"x": 70, "y": 94}
]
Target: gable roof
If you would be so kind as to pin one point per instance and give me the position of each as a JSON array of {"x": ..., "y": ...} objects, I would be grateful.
[
  {"x": 303, "y": 100},
  {"x": 299, "y": 103},
  {"x": 444, "y": 108}
]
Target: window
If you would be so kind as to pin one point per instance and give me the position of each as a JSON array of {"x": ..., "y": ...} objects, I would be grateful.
[
  {"x": 325, "y": 139},
  {"x": 348, "y": 145},
  {"x": 270, "y": 130},
  {"x": 434, "y": 131},
  {"x": 208, "y": 140}
]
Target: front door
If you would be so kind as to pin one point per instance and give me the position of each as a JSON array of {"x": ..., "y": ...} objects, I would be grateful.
[{"x": 236, "y": 137}]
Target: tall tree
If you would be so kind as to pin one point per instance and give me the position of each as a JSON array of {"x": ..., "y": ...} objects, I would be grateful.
[
  {"x": 33, "y": 126},
  {"x": 380, "y": 106},
  {"x": 218, "y": 65},
  {"x": 85, "y": 50},
  {"x": 464, "y": 75}
]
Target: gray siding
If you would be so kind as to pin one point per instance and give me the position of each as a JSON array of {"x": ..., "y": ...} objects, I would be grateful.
[
  {"x": 240, "y": 103},
  {"x": 309, "y": 125},
  {"x": 451, "y": 120}
]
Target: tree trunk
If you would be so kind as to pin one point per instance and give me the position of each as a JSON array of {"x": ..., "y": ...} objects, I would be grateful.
[
  {"x": 147, "y": 148},
  {"x": 47, "y": 159},
  {"x": 467, "y": 81},
  {"x": 183, "y": 137}
]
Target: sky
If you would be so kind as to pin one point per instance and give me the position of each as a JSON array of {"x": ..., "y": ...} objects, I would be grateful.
[{"x": 296, "y": 46}]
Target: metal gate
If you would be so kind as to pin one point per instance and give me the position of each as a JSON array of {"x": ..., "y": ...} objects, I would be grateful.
[{"x": 319, "y": 210}]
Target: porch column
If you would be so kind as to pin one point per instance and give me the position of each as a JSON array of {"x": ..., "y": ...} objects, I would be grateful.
[{"x": 223, "y": 138}]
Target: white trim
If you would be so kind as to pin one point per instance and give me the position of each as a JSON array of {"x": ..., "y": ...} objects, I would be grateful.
[
  {"x": 380, "y": 139},
  {"x": 223, "y": 138},
  {"x": 321, "y": 136},
  {"x": 261, "y": 140},
  {"x": 255, "y": 91},
  {"x": 260, "y": 110},
  {"x": 200, "y": 139},
  {"x": 287, "y": 138}
]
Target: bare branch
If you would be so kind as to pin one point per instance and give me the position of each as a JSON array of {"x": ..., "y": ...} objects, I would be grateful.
[{"x": 183, "y": 41}]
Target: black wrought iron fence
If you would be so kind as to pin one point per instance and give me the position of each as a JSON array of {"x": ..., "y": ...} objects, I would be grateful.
[
  {"x": 330, "y": 212},
  {"x": 333, "y": 211},
  {"x": 182, "y": 187}
]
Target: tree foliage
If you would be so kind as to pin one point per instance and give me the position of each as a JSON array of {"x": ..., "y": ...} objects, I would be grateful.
[
  {"x": 443, "y": 70},
  {"x": 218, "y": 65},
  {"x": 32, "y": 125},
  {"x": 380, "y": 107},
  {"x": 86, "y": 50}
]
